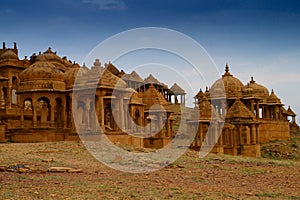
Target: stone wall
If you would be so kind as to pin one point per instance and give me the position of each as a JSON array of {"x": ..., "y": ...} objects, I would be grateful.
[
  {"x": 2, "y": 133},
  {"x": 273, "y": 130}
]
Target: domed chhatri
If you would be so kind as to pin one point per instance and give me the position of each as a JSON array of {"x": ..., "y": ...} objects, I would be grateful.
[
  {"x": 42, "y": 76},
  {"x": 9, "y": 55},
  {"x": 39, "y": 97},
  {"x": 228, "y": 84},
  {"x": 254, "y": 89},
  {"x": 41, "y": 71},
  {"x": 250, "y": 116}
]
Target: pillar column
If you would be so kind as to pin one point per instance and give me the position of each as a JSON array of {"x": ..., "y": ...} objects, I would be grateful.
[
  {"x": 200, "y": 133},
  {"x": 34, "y": 117},
  {"x": 9, "y": 93},
  {"x": 121, "y": 114},
  {"x": 221, "y": 138},
  {"x": 63, "y": 112},
  {"x": 267, "y": 112},
  {"x": 240, "y": 134},
  {"x": 71, "y": 117},
  {"x": 257, "y": 136},
  {"x": 252, "y": 105},
  {"x": 101, "y": 111},
  {"x": 196, "y": 140},
  {"x": 234, "y": 138},
  {"x": 22, "y": 115},
  {"x": 248, "y": 136},
  {"x": 216, "y": 131},
  {"x": 257, "y": 110},
  {"x": 159, "y": 117},
  {"x": 253, "y": 134},
  {"x": 52, "y": 104},
  {"x": 87, "y": 112},
  {"x": 168, "y": 126}
]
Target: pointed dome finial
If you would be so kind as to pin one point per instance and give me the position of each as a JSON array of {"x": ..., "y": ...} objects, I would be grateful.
[
  {"x": 226, "y": 68},
  {"x": 227, "y": 73},
  {"x": 97, "y": 63},
  {"x": 272, "y": 92}
]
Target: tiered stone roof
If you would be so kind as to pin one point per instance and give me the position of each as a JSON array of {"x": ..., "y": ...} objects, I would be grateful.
[{"x": 176, "y": 89}]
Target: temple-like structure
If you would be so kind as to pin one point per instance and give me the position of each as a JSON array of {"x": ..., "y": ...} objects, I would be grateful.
[
  {"x": 37, "y": 95},
  {"x": 241, "y": 117}
]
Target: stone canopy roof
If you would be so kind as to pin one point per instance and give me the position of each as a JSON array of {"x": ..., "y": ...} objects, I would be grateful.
[
  {"x": 42, "y": 76},
  {"x": 227, "y": 84},
  {"x": 255, "y": 90},
  {"x": 290, "y": 112},
  {"x": 273, "y": 99},
  {"x": 133, "y": 76},
  {"x": 239, "y": 112},
  {"x": 152, "y": 80},
  {"x": 176, "y": 89},
  {"x": 9, "y": 54},
  {"x": 154, "y": 101}
]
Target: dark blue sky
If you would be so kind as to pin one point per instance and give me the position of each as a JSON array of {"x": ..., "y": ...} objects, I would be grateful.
[
  {"x": 259, "y": 38},
  {"x": 218, "y": 25}
]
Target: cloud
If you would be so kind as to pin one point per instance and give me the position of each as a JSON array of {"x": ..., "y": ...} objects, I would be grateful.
[{"x": 107, "y": 4}]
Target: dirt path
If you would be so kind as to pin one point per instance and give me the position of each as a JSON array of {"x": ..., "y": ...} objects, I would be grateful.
[{"x": 215, "y": 177}]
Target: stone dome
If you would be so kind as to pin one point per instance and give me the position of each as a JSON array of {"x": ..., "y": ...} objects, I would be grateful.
[
  {"x": 50, "y": 56},
  {"x": 71, "y": 74},
  {"x": 254, "y": 89},
  {"x": 42, "y": 75},
  {"x": 9, "y": 55},
  {"x": 231, "y": 85}
]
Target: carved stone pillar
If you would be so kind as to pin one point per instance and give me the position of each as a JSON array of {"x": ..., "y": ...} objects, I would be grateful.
[
  {"x": 160, "y": 124},
  {"x": 22, "y": 116},
  {"x": 63, "y": 112},
  {"x": 34, "y": 117},
  {"x": 240, "y": 134},
  {"x": 253, "y": 134},
  {"x": 257, "y": 110},
  {"x": 168, "y": 126},
  {"x": 52, "y": 106},
  {"x": 200, "y": 134},
  {"x": 121, "y": 113},
  {"x": 256, "y": 131},
  {"x": 248, "y": 136},
  {"x": 252, "y": 105},
  {"x": 87, "y": 112}
]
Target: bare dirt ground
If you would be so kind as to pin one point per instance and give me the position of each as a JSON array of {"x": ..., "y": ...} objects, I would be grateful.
[{"x": 214, "y": 177}]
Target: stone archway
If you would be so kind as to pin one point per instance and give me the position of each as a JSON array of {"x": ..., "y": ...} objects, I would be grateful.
[
  {"x": 58, "y": 116},
  {"x": 43, "y": 110}
]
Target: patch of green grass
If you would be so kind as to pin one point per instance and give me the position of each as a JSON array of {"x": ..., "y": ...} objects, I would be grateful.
[
  {"x": 250, "y": 171},
  {"x": 10, "y": 195},
  {"x": 269, "y": 194},
  {"x": 21, "y": 177},
  {"x": 294, "y": 145},
  {"x": 198, "y": 179},
  {"x": 54, "y": 177}
]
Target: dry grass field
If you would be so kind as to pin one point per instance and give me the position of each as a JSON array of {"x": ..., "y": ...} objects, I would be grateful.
[{"x": 214, "y": 177}]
